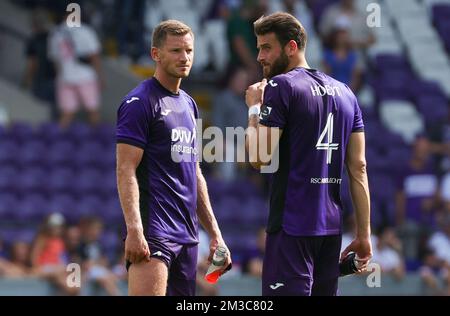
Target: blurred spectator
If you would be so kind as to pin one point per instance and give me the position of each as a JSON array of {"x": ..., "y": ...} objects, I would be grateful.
[
  {"x": 219, "y": 9},
  {"x": 40, "y": 72},
  {"x": 76, "y": 53},
  {"x": 387, "y": 253},
  {"x": 94, "y": 262},
  {"x": 439, "y": 242},
  {"x": 340, "y": 60},
  {"x": 436, "y": 269},
  {"x": 19, "y": 264},
  {"x": 297, "y": 8},
  {"x": 434, "y": 274},
  {"x": 119, "y": 268},
  {"x": 253, "y": 263},
  {"x": 20, "y": 260},
  {"x": 360, "y": 33},
  {"x": 72, "y": 240},
  {"x": 131, "y": 28},
  {"x": 417, "y": 186},
  {"x": 416, "y": 197},
  {"x": 48, "y": 257},
  {"x": 229, "y": 110},
  {"x": 203, "y": 287},
  {"x": 242, "y": 39},
  {"x": 439, "y": 133},
  {"x": 229, "y": 105}
]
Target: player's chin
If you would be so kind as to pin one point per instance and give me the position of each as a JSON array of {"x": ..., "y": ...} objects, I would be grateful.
[{"x": 183, "y": 73}]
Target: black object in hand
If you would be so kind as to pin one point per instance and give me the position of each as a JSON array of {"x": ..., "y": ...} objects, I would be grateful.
[{"x": 348, "y": 265}]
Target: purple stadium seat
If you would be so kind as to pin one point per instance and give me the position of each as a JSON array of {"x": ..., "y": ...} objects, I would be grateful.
[
  {"x": 105, "y": 133},
  {"x": 8, "y": 179},
  {"x": 389, "y": 62},
  {"x": 88, "y": 181},
  {"x": 112, "y": 212},
  {"x": 32, "y": 153},
  {"x": 433, "y": 108},
  {"x": 109, "y": 184},
  {"x": 33, "y": 179},
  {"x": 88, "y": 154},
  {"x": 61, "y": 203},
  {"x": 21, "y": 132},
  {"x": 80, "y": 132},
  {"x": 31, "y": 209},
  {"x": 9, "y": 151},
  {"x": 60, "y": 180},
  {"x": 51, "y": 132},
  {"x": 61, "y": 153},
  {"x": 90, "y": 205},
  {"x": 8, "y": 202}
]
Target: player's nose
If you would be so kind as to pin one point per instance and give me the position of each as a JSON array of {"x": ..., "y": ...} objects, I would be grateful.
[{"x": 184, "y": 56}]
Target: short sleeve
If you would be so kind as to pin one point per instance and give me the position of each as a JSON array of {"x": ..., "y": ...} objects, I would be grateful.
[
  {"x": 195, "y": 108},
  {"x": 87, "y": 42},
  {"x": 133, "y": 123},
  {"x": 275, "y": 109},
  {"x": 358, "y": 124}
]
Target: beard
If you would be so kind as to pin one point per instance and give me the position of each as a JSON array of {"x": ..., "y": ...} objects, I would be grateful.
[{"x": 279, "y": 66}]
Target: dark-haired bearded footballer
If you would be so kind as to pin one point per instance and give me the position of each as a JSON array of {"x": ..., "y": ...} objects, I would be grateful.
[{"x": 320, "y": 130}]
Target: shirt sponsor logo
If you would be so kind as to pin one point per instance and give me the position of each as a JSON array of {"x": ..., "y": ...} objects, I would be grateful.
[
  {"x": 185, "y": 139},
  {"x": 184, "y": 136},
  {"x": 276, "y": 285},
  {"x": 265, "y": 112},
  {"x": 326, "y": 180},
  {"x": 166, "y": 112},
  {"x": 132, "y": 99},
  {"x": 273, "y": 84},
  {"x": 319, "y": 90}
]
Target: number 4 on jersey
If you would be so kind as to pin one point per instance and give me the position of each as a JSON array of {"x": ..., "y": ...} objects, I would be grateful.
[{"x": 328, "y": 146}]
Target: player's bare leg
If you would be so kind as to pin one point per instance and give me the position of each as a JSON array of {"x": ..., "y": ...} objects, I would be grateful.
[
  {"x": 66, "y": 119},
  {"x": 148, "y": 278},
  {"x": 94, "y": 117}
]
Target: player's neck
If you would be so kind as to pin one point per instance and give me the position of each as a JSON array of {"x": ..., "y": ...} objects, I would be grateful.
[
  {"x": 300, "y": 61},
  {"x": 170, "y": 83}
]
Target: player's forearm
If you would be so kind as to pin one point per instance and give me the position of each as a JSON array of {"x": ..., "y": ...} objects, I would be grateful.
[
  {"x": 204, "y": 210},
  {"x": 359, "y": 189},
  {"x": 129, "y": 199},
  {"x": 251, "y": 141}
]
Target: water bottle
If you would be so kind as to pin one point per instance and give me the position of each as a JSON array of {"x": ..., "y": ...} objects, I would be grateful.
[
  {"x": 219, "y": 257},
  {"x": 349, "y": 265}
]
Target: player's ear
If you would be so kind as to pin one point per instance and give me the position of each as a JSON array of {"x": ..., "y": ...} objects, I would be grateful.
[
  {"x": 291, "y": 47},
  {"x": 155, "y": 54}
]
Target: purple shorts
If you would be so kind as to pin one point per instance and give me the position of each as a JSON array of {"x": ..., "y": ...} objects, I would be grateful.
[
  {"x": 181, "y": 260},
  {"x": 302, "y": 266}
]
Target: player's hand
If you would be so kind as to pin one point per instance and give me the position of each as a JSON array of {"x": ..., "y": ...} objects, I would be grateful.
[
  {"x": 255, "y": 93},
  {"x": 363, "y": 249},
  {"x": 136, "y": 247},
  {"x": 212, "y": 248}
]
